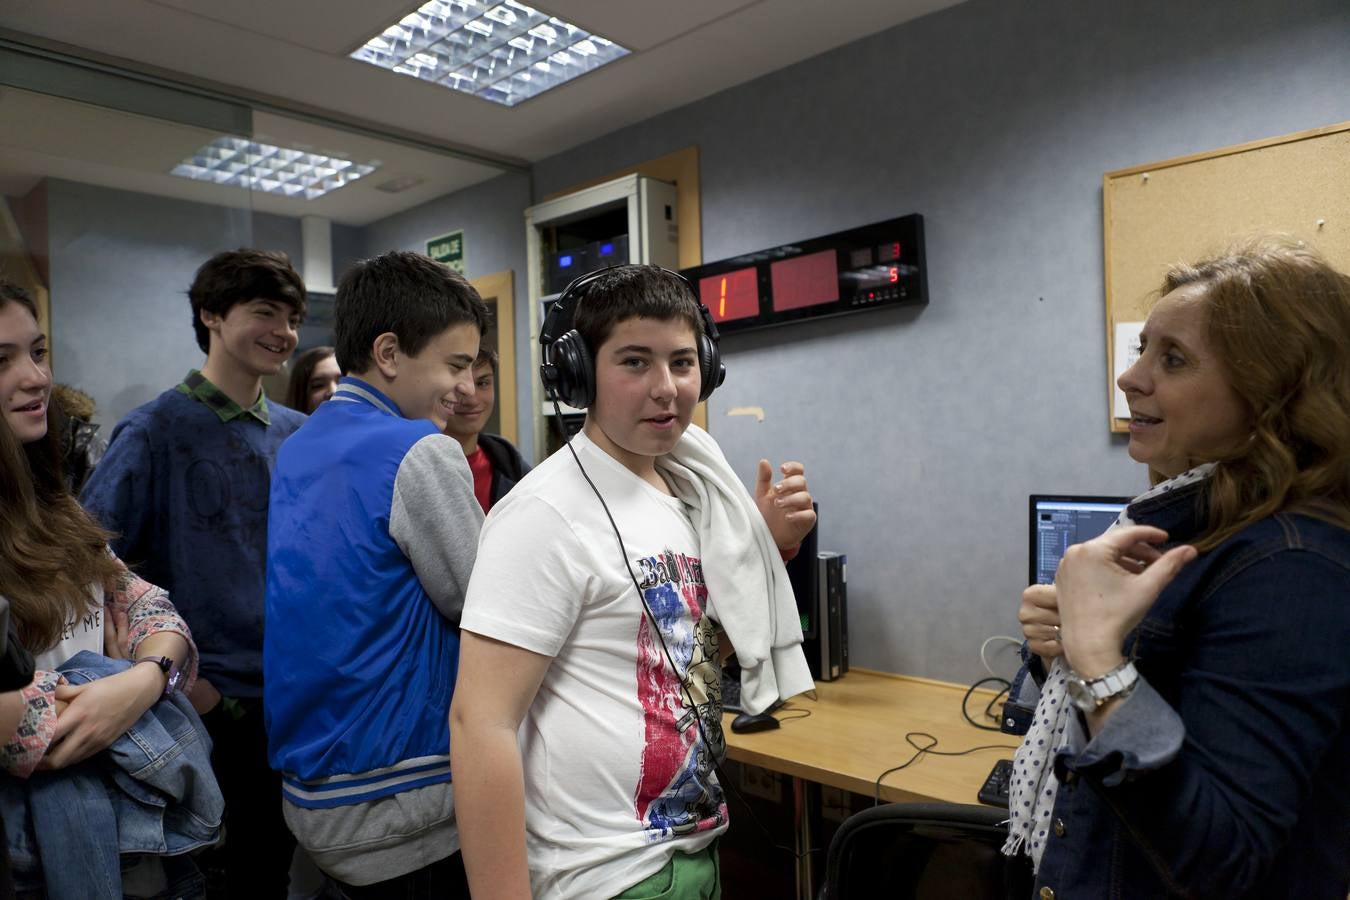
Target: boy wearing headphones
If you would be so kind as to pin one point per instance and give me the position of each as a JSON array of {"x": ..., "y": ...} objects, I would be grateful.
[
  {"x": 589, "y": 617},
  {"x": 371, "y": 537}
]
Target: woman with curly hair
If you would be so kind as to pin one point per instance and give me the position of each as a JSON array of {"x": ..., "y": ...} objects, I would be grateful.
[{"x": 1193, "y": 733}]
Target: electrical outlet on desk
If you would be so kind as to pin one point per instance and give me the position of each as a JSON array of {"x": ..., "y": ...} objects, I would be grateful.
[{"x": 835, "y": 803}]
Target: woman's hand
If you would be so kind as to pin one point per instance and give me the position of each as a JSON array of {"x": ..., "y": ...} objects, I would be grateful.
[
  {"x": 116, "y": 628},
  {"x": 204, "y": 697},
  {"x": 1105, "y": 588},
  {"x": 1039, "y": 615},
  {"x": 98, "y": 713}
]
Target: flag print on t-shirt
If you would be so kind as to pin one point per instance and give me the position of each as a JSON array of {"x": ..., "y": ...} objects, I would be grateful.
[{"x": 676, "y": 793}]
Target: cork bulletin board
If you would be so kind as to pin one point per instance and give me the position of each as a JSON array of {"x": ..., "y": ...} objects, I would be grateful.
[{"x": 1187, "y": 208}]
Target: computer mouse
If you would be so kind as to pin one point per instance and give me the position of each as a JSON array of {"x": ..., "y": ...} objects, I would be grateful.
[{"x": 746, "y": 723}]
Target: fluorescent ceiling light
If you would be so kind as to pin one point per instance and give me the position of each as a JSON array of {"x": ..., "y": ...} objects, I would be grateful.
[
  {"x": 274, "y": 170},
  {"x": 503, "y": 52}
]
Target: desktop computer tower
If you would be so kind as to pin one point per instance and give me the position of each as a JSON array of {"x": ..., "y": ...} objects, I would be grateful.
[
  {"x": 823, "y": 604},
  {"x": 819, "y": 581},
  {"x": 831, "y": 649}
]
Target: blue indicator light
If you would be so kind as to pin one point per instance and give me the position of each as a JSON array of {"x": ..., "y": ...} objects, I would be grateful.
[
  {"x": 564, "y": 262},
  {"x": 606, "y": 249}
]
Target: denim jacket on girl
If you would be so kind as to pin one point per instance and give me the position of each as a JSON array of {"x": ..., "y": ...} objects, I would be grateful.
[
  {"x": 151, "y": 792},
  {"x": 1226, "y": 773}
]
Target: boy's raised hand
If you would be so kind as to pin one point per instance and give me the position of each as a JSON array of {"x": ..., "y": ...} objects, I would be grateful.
[{"x": 786, "y": 506}]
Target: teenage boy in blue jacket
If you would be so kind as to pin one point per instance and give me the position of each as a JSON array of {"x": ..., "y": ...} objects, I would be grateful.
[
  {"x": 372, "y": 534},
  {"x": 183, "y": 487}
]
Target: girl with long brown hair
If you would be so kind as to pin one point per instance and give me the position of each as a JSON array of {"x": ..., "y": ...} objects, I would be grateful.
[{"x": 66, "y": 591}]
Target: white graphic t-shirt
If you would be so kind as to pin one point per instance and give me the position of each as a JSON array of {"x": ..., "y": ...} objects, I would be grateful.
[{"x": 617, "y": 776}]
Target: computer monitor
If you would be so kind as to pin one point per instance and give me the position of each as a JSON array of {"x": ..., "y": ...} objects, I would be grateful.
[{"x": 1059, "y": 520}]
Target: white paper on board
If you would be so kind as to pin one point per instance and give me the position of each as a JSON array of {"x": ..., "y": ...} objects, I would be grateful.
[{"x": 1126, "y": 352}]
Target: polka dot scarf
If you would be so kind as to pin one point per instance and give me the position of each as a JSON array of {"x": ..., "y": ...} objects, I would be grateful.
[{"x": 1031, "y": 798}]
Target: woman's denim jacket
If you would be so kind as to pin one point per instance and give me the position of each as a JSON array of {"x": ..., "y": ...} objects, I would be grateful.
[
  {"x": 1226, "y": 773},
  {"x": 151, "y": 792}
]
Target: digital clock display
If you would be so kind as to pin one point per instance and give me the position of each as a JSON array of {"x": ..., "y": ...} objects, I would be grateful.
[
  {"x": 731, "y": 295},
  {"x": 857, "y": 269},
  {"x": 805, "y": 280},
  {"x": 876, "y": 276}
]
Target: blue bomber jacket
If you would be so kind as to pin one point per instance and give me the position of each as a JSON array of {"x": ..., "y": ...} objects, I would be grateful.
[{"x": 372, "y": 534}]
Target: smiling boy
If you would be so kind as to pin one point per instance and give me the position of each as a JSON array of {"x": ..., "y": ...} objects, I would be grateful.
[
  {"x": 183, "y": 487},
  {"x": 496, "y": 464},
  {"x": 372, "y": 535},
  {"x": 587, "y": 713}
]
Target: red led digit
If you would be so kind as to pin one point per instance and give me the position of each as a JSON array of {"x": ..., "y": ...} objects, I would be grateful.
[
  {"x": 895, "y": 250},
  {"x": 734, "y": 295},
  {"x": 895, "y": 274}
]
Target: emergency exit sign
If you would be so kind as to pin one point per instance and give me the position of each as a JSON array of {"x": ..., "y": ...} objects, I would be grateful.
[{"x": 448, "y": 249}]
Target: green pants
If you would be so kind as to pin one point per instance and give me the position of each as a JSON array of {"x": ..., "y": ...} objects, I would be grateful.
[{"x": 688, "y": 876}]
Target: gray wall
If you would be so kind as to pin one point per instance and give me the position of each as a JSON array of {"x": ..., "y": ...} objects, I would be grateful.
[
  {"x": 492, "y": 216},
  {"x": 121, "y": 263},
  {"x": 924, "y": 431}
]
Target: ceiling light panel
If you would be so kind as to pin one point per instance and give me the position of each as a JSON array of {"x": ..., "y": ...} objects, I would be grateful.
[
  {"x": 248, "y": 164},
  {"x": 503, "y": 52}
]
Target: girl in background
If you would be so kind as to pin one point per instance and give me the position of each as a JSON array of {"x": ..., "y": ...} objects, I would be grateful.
[{"x": 313, "y": 379}]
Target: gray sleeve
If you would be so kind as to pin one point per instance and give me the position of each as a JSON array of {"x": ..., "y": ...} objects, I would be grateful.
[
  {"x": 435, "y": 518},
  {"x": 1144, "y": 733}
]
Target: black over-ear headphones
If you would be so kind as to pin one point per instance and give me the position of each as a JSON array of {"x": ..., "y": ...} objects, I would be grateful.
[{"x": 568, "y": 372}]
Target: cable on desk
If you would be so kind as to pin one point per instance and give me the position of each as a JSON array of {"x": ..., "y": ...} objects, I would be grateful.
[
  {"x": 804, "y": 714},
  {"x": 921, "y": 749},
  {"x": 989, "y": 707}
]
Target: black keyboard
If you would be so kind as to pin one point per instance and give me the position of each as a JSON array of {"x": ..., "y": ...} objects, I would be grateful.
[
  {"x": 731, "y": 692},
  {"x": 994, "y": 792},
  {"x": 731, "y": 695}
]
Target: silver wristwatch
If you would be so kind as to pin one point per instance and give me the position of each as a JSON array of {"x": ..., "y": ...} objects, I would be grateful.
[{"x": 1088, "y": 695}]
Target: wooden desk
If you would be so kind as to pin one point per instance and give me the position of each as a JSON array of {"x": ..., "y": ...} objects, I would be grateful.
[{"x": 857, "y": 730}]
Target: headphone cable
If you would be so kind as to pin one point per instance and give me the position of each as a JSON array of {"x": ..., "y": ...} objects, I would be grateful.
[{"x": 722, "y": 779}]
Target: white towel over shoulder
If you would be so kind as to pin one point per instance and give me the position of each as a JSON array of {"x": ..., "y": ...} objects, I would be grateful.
[{"x": 748, "y": 589}]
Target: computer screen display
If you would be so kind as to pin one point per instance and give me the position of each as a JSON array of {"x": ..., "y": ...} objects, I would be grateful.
[{"x": 1059, "y": 521}]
